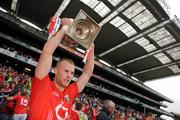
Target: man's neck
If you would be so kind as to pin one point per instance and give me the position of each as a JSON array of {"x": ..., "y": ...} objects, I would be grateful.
[{"x": 59, "y": 87}]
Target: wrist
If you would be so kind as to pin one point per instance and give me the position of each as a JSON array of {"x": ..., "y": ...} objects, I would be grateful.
[{"x": 65, "y": 28}]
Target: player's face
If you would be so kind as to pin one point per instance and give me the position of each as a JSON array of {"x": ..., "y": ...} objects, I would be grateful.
[{"x": 64, "y": 74}]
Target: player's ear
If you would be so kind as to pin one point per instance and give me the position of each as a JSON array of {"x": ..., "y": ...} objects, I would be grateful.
[{"x": 55, "y": 70}]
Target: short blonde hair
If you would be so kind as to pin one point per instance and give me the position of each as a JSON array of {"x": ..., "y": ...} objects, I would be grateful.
[{"x": 65, "y": 59}]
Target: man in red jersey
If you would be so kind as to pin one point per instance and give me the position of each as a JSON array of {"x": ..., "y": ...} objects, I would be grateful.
[
  {"x": 21, "y": 108},
  {"x": 53, "y": 100}
]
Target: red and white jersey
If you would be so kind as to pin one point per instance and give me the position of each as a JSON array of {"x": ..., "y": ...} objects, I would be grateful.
[
  {"x": 22, "y": 103},
  {"x": 47, "y": 102}
]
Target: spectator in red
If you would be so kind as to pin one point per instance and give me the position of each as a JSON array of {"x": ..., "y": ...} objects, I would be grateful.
[
  {"x": 78, "y": 114},
  {"x": 7, "y": 88},
  {"x": 149, "y": 116},
  {"x": 86, "y": 108},
  {"x": 75, "y": 112},
  {"x": 1, "y": 78},
  {"x": 53, "y": 100},
  {"x": 95, "y": 111},
  {"x": 21, "y": 108},
  {"x": 117, "y": 115}
]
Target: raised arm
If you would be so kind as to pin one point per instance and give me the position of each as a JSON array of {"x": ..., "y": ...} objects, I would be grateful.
[
  {"x": 87, "y": 70},
  {"x": 45, "y": 60},
  {"x": 9, "y": 98}
]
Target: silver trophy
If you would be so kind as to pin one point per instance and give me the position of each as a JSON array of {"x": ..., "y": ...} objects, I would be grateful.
[{"x": 83, "y": 31}]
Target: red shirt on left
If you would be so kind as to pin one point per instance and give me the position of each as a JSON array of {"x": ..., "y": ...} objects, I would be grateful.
[{"x": 22, "y": 103}]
